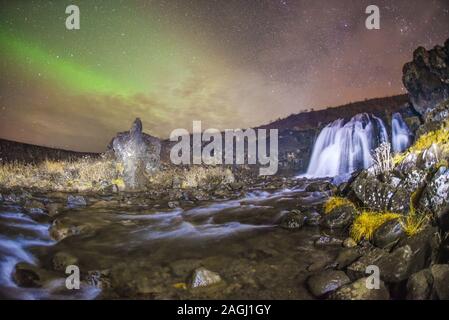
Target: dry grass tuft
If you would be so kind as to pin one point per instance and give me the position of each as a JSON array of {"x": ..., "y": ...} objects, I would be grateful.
[
  {"x": 84, "y": 174},
  {"x": 335, "y": 202},
  {"x": 368, "y": 222}
]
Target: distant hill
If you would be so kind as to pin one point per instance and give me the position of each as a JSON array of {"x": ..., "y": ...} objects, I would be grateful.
[
  {"x": 297, "y": 133},
  {"x": 381, "y": 107},
  {"x": 11, "y": 151}
]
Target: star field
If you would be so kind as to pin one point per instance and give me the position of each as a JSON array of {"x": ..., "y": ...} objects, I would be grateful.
[{"x": 228, "y": 63}]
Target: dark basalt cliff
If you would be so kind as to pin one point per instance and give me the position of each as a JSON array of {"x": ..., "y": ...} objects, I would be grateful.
[{"x": 427, "y": 77}]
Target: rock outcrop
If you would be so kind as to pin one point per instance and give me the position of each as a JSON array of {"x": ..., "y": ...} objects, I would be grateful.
[
  {"x": 139, "y": 154},
  {"x": 427, "y": 77}
]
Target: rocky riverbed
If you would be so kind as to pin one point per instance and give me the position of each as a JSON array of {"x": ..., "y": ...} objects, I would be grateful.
[{"x": 127, "y": 246}]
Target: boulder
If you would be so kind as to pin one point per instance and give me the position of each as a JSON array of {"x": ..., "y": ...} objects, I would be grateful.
[
  {"x": 346, "y": 257},
  {"x": 435, "y": 197},
  {"x": 139, "y": 154},
  {"x": 319, "y": 186},
  {"x": 349, "y": 243},
  {"x": 388, "y": 234},
  {"x": 325, "y": 241},
  {"x": 76, "y": 201},
  {"x": 61, "y": 260},
  {"x": 34, "y": 207},
  {"x": 339, "y": 218},
  {"x": 425, "y": 246},
  {"x": 99, "y": 278},
  {"x": 326, "y": 282},
  {"x": 358, "y": 290},
  {"x": 294, "y": 219},
  {"x": 399, "y": 265},
  {"x": 427, "y": 77},
  {"x": 30, "y": 276},
  {"x": 371, "y": 192},
  {"x": 313, "y": 218},
  {"x": 357, "y": 269},
  {"x": 202, "y": 277},
  {"x": 440, "y": 273},
  {"x": 419, "y": 285}
]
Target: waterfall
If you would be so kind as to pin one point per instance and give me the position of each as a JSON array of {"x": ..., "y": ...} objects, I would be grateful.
[
  {"x": 401, "y": 133},
  {"x": 342, "y": 148}
]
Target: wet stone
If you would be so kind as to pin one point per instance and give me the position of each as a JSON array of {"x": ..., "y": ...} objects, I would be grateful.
[
  {"x": 388, "y": 234},
  {"x": 202, "y": 277},
  {"x": 294, "y": 219},
  {"x": 419, "y": 285},
  {"x": 62, "y": 260},
  {"x": 324, "y": 241},
  {"x": 76, "y": 201},
  {"x": 326, "y": 282},
  {"x": 440, "y": 273},
  {"x": 358, "y": 290},
  {"x": 339, "y": 218},
  {"x": 346, "y": 257}
]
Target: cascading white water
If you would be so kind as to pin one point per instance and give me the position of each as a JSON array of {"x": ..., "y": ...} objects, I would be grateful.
[
  {"x": 342, "y": 148},
  {"x": 401, "y": 136}
]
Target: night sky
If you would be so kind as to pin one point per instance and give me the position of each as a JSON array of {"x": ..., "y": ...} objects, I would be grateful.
[{"x": 228, "y": 63}]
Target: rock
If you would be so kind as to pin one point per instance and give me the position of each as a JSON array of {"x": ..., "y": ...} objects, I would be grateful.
[
  {"x": 349, "y": 243},
  {"x": 63, "y": 228},
  {"x": 339, "y": 218},
  {"x": 398, "y": 265},
  {"x": 419, "y": 285},
  {"x": 62, "y": 260},
  {"x": 173, "y": 204},
  {"x": 34, "y": 207},
  {"x": 319, "y": 186},
  {"x": 324, "y": 241},
  {"x": 99, "y": 279},
  {"x": 346, "y": 257},
  {"x": 326, "y": 282},
  {"x": 358, "y": 268},
  {"x": 28, "y": 276},
  {"x": 139, "y": 154},
  {"x": 294, "y": 219},
  {"x": 371, "y": 192},
  {"x": 388, "y": 234},
  {"x": 409, "y": 163},
  {"x": 76, "y": 201},
  {"x": 427, "y": 77},
  {"x": 430, "y": 157},
  {"x": 436, "y": 197},
  {"x": 440, "y": 273},
  {"x": 317, "y": 265},
  {"x": 425, "y": 246},
  {"x": 54, "y": 208},
  {"x": 313, "y": 218},
  {"x": 202, "y": 277},
  {"x": 358, "y": 290},
  {"x": 400, "y": 201}
]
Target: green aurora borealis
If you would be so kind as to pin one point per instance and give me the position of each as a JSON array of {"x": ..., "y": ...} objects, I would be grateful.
[{"x": 229, "y": 64}]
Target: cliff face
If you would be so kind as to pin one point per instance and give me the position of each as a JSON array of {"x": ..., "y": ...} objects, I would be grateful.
[{"x": 427, "y": 77}]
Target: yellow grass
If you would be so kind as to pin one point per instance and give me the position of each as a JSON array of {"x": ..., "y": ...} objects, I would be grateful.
[
  {"x": 335, "y": 202},
  {"x": 368, "y": 222},
  {"x": 80, "y": 175}
]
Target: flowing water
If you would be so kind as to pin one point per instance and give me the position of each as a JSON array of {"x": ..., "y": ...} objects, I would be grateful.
[
  {"x": 401, "y": 135},
  {"x": 343, "y": 147},
  {"x": 146, "y": 249}
]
